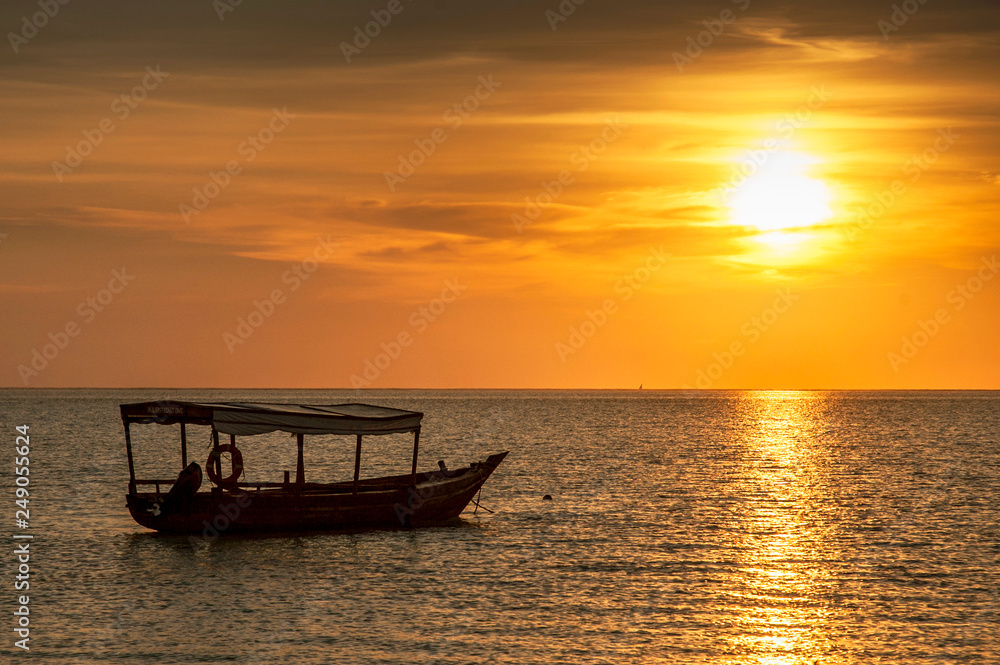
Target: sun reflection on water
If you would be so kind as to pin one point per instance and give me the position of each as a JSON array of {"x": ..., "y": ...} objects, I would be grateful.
[{"x": 780, "y": 570}]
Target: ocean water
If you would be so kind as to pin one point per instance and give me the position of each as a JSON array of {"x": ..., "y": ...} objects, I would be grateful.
[{"x": 725, "y": 527}]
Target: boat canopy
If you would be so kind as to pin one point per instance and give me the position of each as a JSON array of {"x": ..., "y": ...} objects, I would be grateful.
[{"x": 245, "y": 418}]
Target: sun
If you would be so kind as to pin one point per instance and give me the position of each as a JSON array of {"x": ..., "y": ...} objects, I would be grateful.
[{"x": 780, "y": 195}]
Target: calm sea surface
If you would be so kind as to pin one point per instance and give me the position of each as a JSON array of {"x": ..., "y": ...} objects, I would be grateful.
[{"x": 728, "y": 527}]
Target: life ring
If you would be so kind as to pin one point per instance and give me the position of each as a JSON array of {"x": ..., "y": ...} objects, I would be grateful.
[{"x": 214, "y": 465}]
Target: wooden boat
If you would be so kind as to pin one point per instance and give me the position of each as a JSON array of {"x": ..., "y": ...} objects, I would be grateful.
[{"x": 230, "y": 505}]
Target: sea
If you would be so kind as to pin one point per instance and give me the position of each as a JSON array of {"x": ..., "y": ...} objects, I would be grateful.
[{"x": 730, "y": 527}]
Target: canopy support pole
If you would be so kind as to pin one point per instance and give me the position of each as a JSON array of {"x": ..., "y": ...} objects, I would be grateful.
[
  {"x": 357, "y": 464},
  {"x": 300, "y": 467},
  {"x": 217, "y": 458},
  {"x": 184, "y": 445},
  {"x": 416, "y": 444},
  {"x": 131, "y": 464}
]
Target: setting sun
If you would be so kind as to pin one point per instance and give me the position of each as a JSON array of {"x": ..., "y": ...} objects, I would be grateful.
[{"x": 780, "y": 195}]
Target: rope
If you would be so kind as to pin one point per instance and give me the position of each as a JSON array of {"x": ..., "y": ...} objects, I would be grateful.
[{"x": 476, "y": 501}]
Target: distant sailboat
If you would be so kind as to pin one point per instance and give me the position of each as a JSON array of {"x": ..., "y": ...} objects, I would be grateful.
[{"x": 640, "y": 386}]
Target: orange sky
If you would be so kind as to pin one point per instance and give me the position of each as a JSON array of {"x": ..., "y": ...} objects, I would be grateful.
[{"x": 477, "y": 199}]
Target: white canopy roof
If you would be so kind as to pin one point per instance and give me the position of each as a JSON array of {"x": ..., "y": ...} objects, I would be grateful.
[{"x": 244, "y": 418}]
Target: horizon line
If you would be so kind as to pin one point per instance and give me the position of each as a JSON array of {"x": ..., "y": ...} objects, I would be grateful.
[{"x": 685, "y": 390}]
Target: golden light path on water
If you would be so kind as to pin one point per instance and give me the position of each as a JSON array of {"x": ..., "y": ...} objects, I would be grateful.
[{"x": 784, "y": 552}]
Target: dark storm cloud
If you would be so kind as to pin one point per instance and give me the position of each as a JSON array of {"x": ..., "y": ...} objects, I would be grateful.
[{"x": 309, "y": 34}]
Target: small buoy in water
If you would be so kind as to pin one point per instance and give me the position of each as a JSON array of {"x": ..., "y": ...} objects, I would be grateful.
[{"x": 547, "y": 497}]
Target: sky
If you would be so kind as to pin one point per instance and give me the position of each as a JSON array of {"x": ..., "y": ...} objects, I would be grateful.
[{"x": 422, "y": 194}]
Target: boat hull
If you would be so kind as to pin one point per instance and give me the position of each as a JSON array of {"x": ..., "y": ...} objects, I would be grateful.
[{"x": 391, "y": 502}]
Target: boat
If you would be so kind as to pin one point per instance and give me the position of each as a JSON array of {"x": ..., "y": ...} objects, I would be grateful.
[{"x": 230, "y": 504}]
